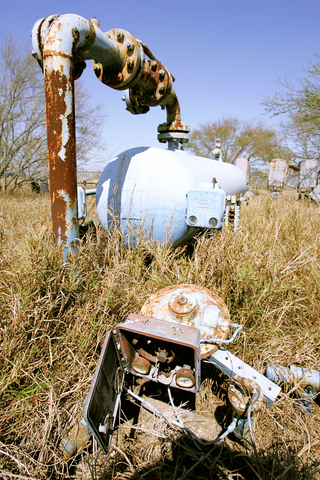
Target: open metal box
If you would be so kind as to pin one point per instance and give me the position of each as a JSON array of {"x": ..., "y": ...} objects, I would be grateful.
[{"x": 146, "y": 347}]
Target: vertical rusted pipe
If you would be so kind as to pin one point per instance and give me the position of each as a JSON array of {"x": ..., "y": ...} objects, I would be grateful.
[{"x": 59, "y": 92}]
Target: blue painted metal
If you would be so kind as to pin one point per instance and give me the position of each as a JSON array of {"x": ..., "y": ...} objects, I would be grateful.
[
  {"x": 294, "y": 375},
  {"x": 308, "y": 380},
  {"x": 148, "y": 187},
  {"x": 205, "y": 207}
]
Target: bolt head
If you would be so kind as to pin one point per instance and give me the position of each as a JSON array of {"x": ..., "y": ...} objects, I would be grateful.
[
  {"x": 162, "y": 74},
  {"x": 182, "y": 299},
  {"x": 130, "y": 63},
  {"x": 153, "y": 65},
  {"x": 130, "y": 47},
  {"x": 120, "y": 77},
  {"x": 120, "y": 37},
  {"x": 161, "y": 88}
]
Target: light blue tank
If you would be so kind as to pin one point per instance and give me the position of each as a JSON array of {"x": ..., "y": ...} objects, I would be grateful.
[{"x": 149, "y": 186}]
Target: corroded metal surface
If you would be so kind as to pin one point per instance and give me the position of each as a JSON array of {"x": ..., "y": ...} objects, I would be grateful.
[
  {"x": 294, "y": 375},
  {"x": 243, "y": 393},
  {"x": 292, "y": 178},
  {"x": 59, "y": 90},
  {"x": 61, "y": 44},
  {"x": 194, "y": 306},
  {"x": 277, "y": 173},
  {"x": 160, "y": 351},
  {"x": 129, "y": 67}
]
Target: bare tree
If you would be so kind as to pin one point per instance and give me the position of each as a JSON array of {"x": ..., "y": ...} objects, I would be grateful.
[
  {"x": 299, "y": 101},
  {"x": 250, "y": 139},
  {"x": 23, "y": 139},
  {"x": 22, "y": 116}
]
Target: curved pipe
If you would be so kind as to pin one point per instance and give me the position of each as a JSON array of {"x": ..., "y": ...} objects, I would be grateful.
[
  {"x": 172, "y": 106},
  {"x": 60, "y": 42},
  {"x": 75, "y": 37}
]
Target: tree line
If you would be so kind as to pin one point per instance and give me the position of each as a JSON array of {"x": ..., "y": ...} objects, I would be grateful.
[
  {"x": 296, "y": 138},
  {"x": 23, "y": 138},
  {"x": 23, "y": 146}
]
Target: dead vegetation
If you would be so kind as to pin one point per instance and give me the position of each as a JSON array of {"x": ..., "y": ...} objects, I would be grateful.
[{"x": 55, "y": 316}]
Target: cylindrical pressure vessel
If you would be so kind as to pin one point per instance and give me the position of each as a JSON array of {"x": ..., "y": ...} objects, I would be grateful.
[{"x": 149, "y": 186}]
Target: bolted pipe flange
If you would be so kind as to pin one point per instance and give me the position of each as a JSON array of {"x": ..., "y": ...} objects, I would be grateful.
[
  {"x": 129, "y": 65},
  {"x": 150, "y": 90}
]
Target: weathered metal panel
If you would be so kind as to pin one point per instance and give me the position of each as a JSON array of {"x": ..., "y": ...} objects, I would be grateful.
[
  {"x": 235, "y": 367},
  {"x": 292, "y": 178},
  {"x": 315, "y": 194},
  {"x": 205, "y": 207},
  {"x": 277, "y": 173},
  {"x": 149, "y": 341},
  {"x": 101, "y": 406},
  {"x": 243, "y": 164},
  {"x": 309, "y": 171}
]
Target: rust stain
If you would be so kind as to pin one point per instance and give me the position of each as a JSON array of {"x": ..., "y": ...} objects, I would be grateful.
[
  {"x": 62, "y": 171},
  {"x": 186, "y": 307}
]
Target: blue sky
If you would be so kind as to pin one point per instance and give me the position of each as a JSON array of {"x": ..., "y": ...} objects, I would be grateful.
[{"x": 226, "y": 55}]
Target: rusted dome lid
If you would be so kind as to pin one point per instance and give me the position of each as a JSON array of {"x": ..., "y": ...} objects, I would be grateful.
[{"x": 194, "y": 306}]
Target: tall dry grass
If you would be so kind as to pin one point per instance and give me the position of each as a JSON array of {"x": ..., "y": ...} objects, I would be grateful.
[{"x": 55, "y": 316}]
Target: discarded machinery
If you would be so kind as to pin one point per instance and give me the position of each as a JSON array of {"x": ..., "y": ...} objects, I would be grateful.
[
  {"x": 168, "y": 190},
  {"x": 304, "y": 178},
  {"x": 276, "y": 177},
  {"x": 294, "y": 376},
  {"x": 172, "y": 193},
  {"x": 179, "y": 328},
  {"x": 309, "y": 179}
]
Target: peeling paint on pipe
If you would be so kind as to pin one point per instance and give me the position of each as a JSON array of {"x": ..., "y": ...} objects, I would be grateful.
[
  {"x": 60, "y": 43},
  {"x": 59, "y": 91}
]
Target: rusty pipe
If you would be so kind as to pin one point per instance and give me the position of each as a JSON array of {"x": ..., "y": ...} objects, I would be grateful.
[
  {"x": 59, "y": 92},
  {"x": 59, "y": 42}
]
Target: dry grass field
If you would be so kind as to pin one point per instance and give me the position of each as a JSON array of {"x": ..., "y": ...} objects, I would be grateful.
[{"x": 54, "y": 317}]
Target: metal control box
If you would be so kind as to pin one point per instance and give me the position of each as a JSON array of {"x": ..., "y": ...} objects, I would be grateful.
[
  {"x": 205, "y": 207},
  {"x": 102, "y": 403},
  {"x": 146, "y": 347},
  {"x": 164, "y": 352}
]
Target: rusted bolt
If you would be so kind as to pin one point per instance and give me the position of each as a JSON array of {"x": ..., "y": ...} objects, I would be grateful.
[
  {"x": 120, "y": 77},
  {"x": 120, "y": 37},
  {"x": 130, "y": 63},
  {"x": 161, "y": 88},
  {"x": 130, "y": 48},
  {"x": 161, "y": 74},
  {"x": 153, "y": 65},
  {"x": 152, "y": 97},
  {"x": 182, "y": 299}
]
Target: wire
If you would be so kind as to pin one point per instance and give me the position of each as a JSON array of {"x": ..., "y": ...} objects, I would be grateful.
[
  {"x": 145, "y": 402},
  {"x": 230, "y": 428},
  {"x": 179, "y": 423},
  {"x": 175, "y": 409},
  {"x": 250, "y": 426}
]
